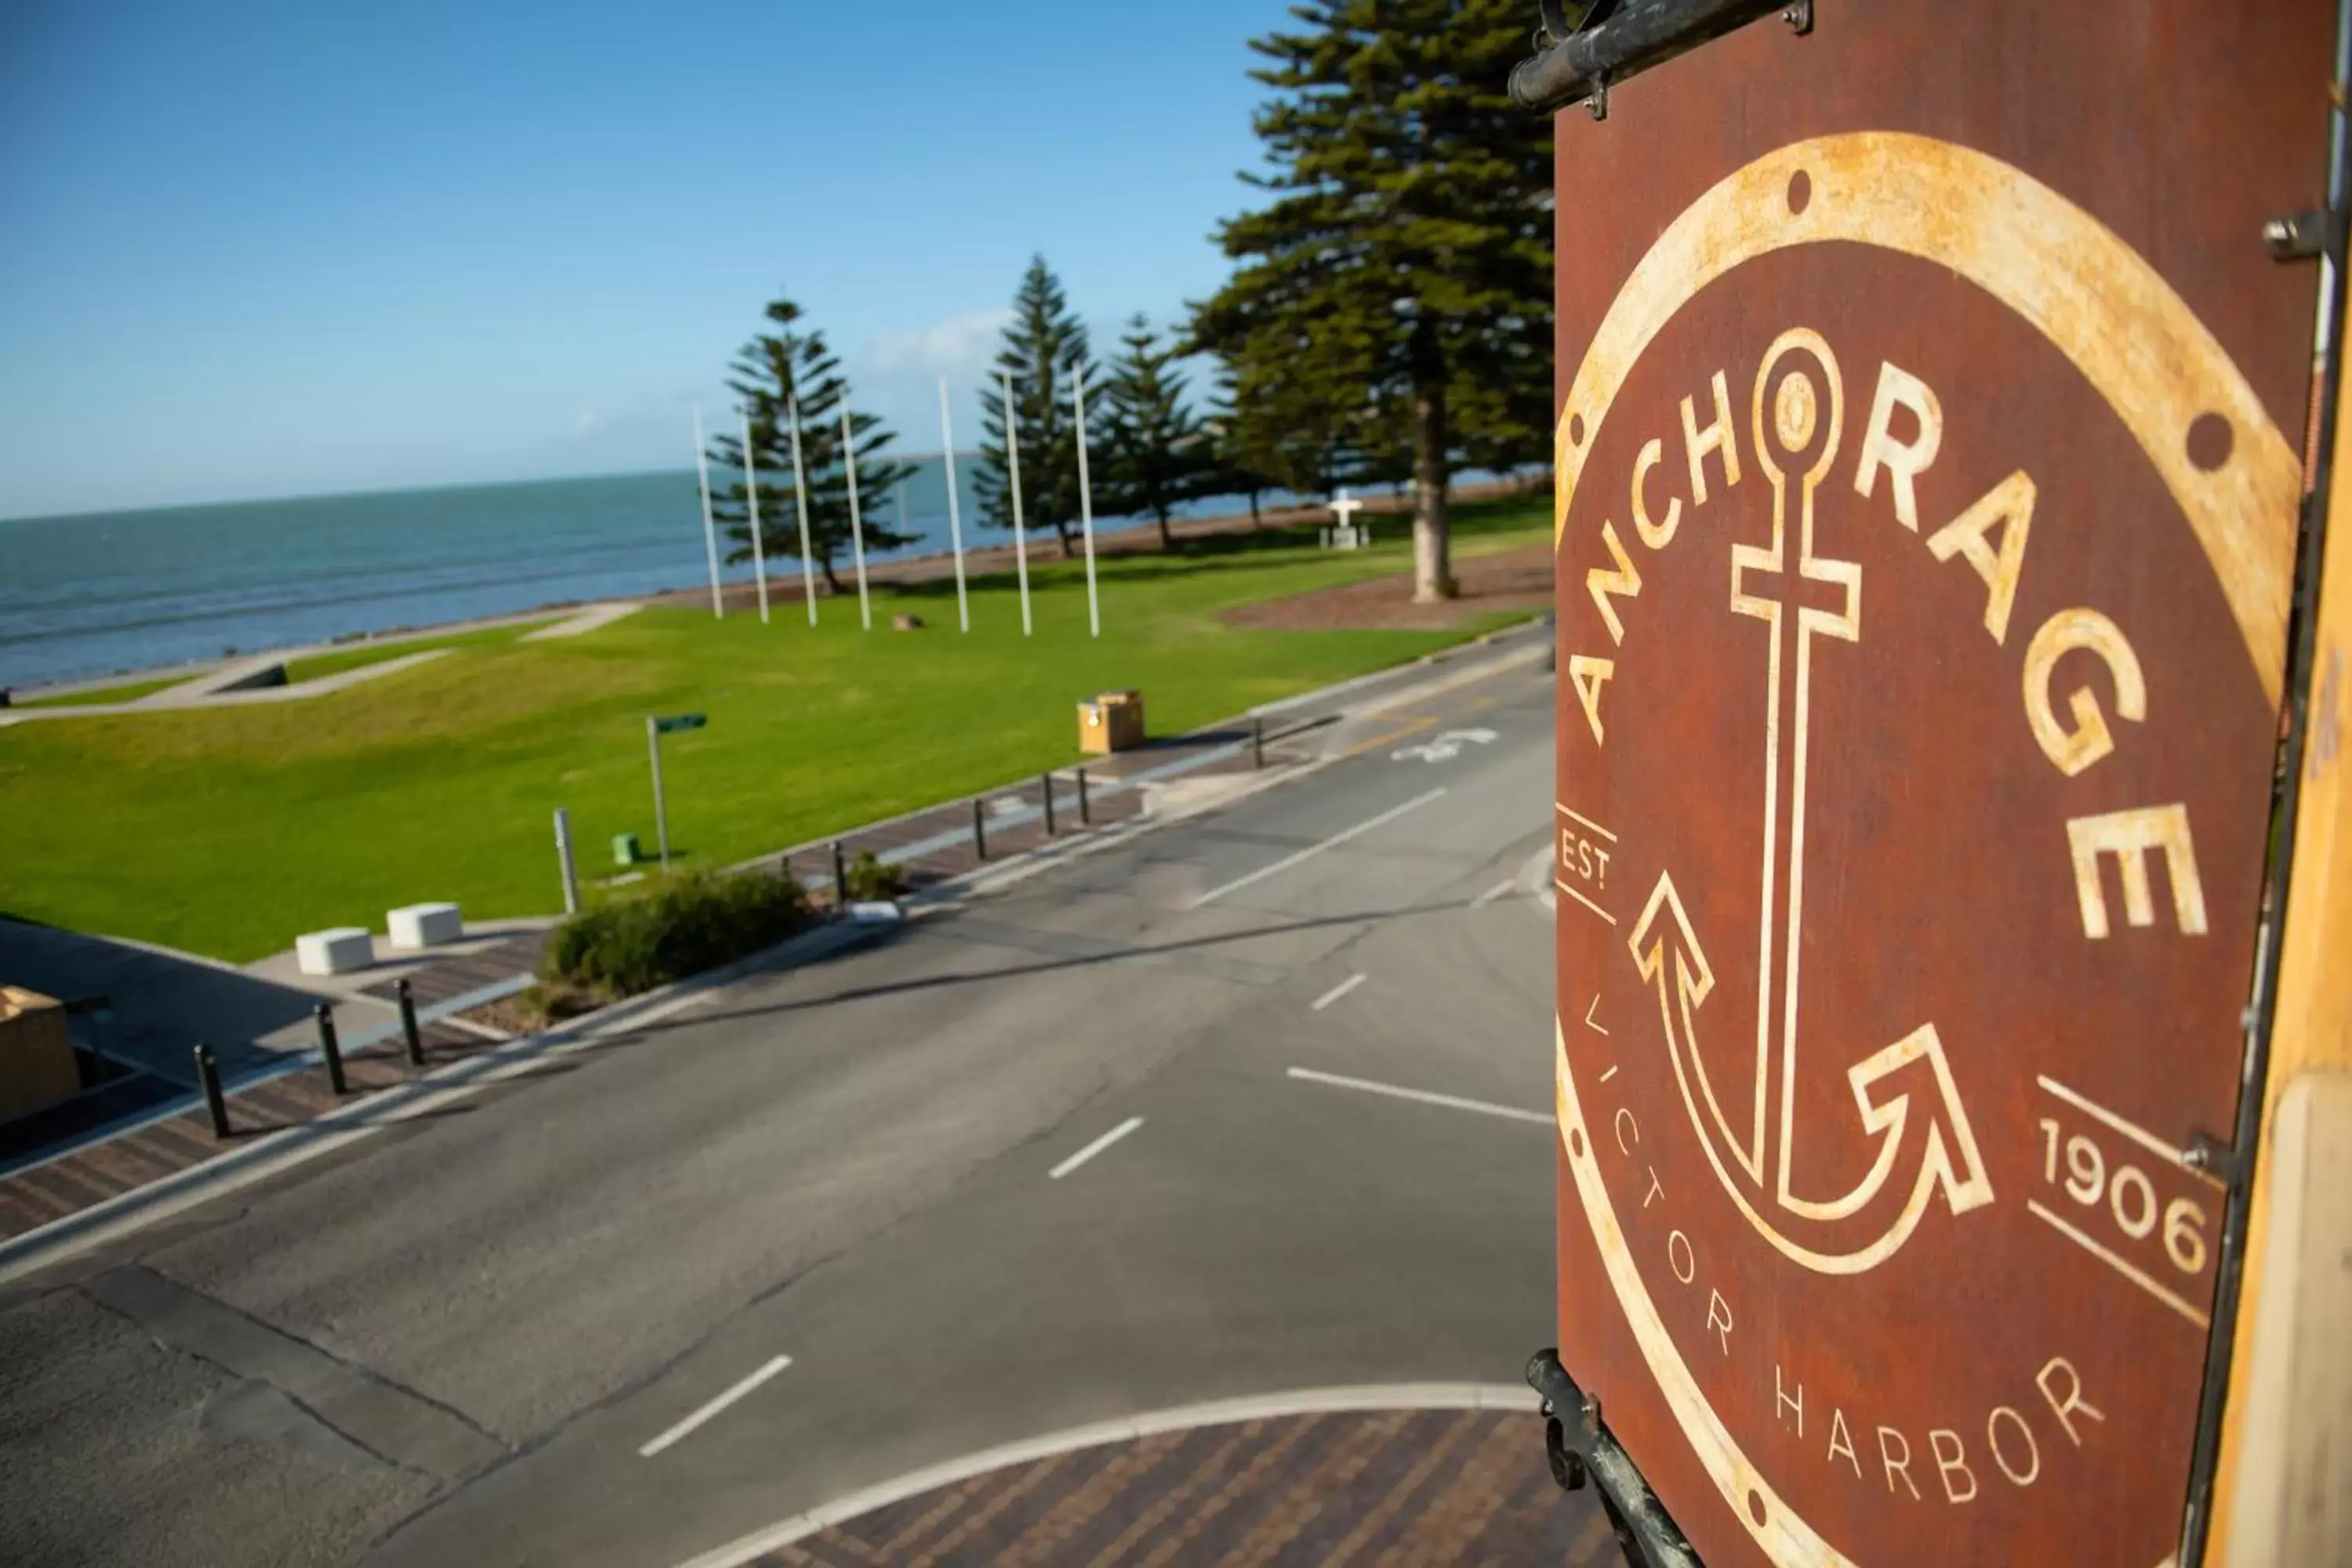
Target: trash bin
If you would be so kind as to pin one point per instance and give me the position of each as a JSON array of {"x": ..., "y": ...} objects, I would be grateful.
[
  {"x": 626, "y": 851},
  {"x": 37, "y": 1059},
  {"x": 1113, "y": 722}
]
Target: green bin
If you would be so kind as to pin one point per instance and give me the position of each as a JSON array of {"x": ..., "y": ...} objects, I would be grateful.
[{"x": 624, "y": 849}]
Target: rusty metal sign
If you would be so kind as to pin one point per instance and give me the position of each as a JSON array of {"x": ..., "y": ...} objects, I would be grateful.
[{"x": 1929, "y": 458}]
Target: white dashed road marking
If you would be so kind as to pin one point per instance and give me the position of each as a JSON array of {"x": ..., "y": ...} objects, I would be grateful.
[
  {"x": 715, "y": 1407},
  {"x": 1094, "y": 1148},
  {"x": 1425, "y": 1097},
  {"x": 1337, "y": 992},
  {"x": 1287, "y": 861}
]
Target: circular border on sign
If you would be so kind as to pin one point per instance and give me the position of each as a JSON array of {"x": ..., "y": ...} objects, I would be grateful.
[
  {"x": 2120, "y": 324},
  {"x": 2086, "y": 292}
]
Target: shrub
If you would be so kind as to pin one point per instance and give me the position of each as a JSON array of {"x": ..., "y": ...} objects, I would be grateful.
[
  {"x": 872, "y": 879},
  {"x": 695, "y": 923}
]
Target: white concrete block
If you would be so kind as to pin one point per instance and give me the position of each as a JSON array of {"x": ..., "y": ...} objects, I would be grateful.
[
  {"x": 338, "y": 950},
  {"x": 423, "y": 925}
]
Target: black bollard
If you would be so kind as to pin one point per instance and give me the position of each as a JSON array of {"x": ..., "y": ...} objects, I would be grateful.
[
  {"x": 408, "y": 1024},
  {"x": 1085, "y": 814},
  {"x": 208, "y": 1078},
  {"x": 979, "y": 830},
  {"x": 1257, "y": 740},
  {"x": 331, "y": 1048},
  {"x": 1045, "y": 793},
  {"x": 840, "y": 877}
]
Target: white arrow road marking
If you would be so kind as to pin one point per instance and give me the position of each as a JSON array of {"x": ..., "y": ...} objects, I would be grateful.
[
  {"x": 686, "y": 1427},
  {"x": 1443, "y": 747},
  {"x": 1094, "y": 1148}
]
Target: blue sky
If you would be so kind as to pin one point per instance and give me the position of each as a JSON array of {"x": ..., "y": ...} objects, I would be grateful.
[{"x": 258, "y": 250}]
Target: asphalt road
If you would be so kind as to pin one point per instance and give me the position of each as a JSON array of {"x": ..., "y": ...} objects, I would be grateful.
[{"x": 453, "y": 1342}]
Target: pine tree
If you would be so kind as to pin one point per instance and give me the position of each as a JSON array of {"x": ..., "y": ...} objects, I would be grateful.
[
  {"x": 1045, "y": 344},
  {"x": 770, "y": 373},
  {"x": 1156, "y": 456},
  {"x": 1290, "y": 427},
  {"x": 1405, "y": 261},
  {"x": 1238, "y": 467}
]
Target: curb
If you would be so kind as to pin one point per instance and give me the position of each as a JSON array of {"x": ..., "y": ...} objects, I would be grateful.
[
  {"x": 1368, "y": 1397},
  {"x": 272, "y": 1152}
]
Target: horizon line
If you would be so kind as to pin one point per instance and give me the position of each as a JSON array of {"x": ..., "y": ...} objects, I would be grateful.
[{"x": 307, "y": 496}]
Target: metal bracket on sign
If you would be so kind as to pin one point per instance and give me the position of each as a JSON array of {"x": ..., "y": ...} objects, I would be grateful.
[
  {"x": 2296, "y": 237},
  {"x": 1599, "y": 101},
  {"x": 2215, "y": 1158},
  {"x": 1800, "y": 17},
  {"x": 1577, "y": 1447}
]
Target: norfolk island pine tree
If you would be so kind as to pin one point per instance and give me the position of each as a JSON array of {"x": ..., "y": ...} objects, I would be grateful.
[
  {"x": 768, "y": 373},
  {"x": 1405, "y": 260},
  {"x": 1043, "y": 345},
  {"x": 1157, "y": 455}
]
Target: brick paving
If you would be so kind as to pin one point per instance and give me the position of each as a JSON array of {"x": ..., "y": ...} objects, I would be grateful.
[
  {"x": 80, "y": 1177},
  {"x": 1388, "y": 1490}
]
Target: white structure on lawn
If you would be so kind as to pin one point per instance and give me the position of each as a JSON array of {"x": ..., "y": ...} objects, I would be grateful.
[{"x": 1347, "y": 533}]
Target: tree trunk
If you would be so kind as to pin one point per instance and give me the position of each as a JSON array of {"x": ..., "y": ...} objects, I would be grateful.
[
  {"x": 1255, "y": 521},
  {"x": 1166, "y": 539},
  {"x": 1062, "y": 532},
  {"x": 832, "y": 580},
  {"x": 1432, "y": 568}
]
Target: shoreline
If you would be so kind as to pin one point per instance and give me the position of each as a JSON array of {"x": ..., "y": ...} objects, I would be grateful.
[{"x": 1130, "y": 538}]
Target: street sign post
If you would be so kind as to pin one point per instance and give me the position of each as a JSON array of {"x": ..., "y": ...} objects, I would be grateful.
[
  {"x": 656, "y": 728},
  {"x": 1928, "y": 477}
]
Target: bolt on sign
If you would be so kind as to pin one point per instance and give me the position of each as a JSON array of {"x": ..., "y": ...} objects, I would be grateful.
[{"x": 1929, "y": 456}]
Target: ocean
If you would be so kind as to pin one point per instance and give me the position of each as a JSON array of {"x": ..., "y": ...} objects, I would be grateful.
[{"x": 105, "y": 592}]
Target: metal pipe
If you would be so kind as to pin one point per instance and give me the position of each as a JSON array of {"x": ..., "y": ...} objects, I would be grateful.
[
  {"x": 208, "y": 1074},
  {"x": 1580, "y": 1448},
  {"x": 415, "y": 1041},
  {"x": 979, "y": 829},
  {"x": 332, "y": 1049},
  {"x": 840, "y": 877},
  {"x": 1045, "y": 793},
  {"x": 1257, "y": 740},
  {"x": 661, "y": 810},
  {"x": 1085, "y": 813},
  {"x": 1637, "y": 36},
  {"x": 565, "y": 862}
]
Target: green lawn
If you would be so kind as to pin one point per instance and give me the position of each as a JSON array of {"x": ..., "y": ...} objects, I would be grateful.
[
  {"x": 357, "y": 655},
  {"x": 229, "y": 831},
  {"x": 129, "y": 691}
]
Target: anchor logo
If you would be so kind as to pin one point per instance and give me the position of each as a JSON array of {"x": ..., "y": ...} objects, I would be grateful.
[{"x": 1937, "y": 1147}]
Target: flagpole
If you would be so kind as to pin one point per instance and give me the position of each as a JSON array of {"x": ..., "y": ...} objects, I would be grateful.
[
  {"x": 1085, "y": 496},
  {"x": 955, "y": 516},
  {"x": 799, "y": 494},
  {"x": 1013, "y": 462},
  {"x": 856, "y": 527},
  {"x": 709, "y": 532},
  {"x": 752, "y": 500}
]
